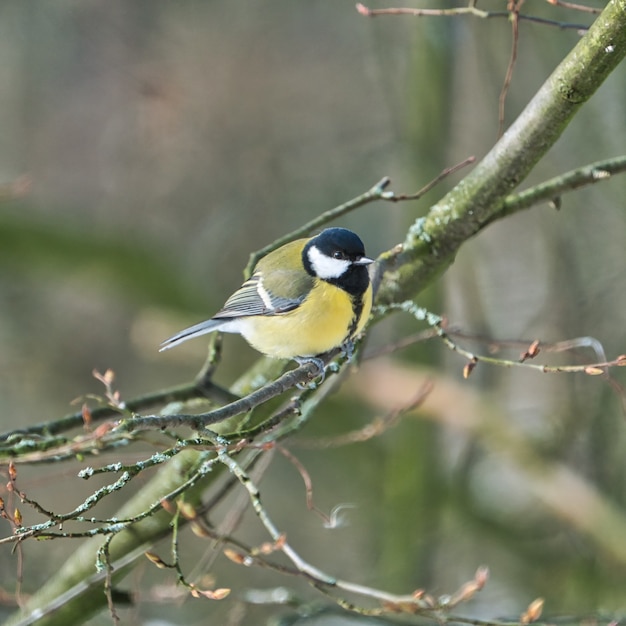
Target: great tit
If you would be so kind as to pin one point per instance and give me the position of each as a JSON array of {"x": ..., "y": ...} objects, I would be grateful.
[{"x": 302, "y": 300}]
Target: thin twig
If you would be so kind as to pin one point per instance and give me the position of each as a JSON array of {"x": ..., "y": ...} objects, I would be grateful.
[
  {"x": 469, "y": 10},
  {"x": 47, "y": 430},
  {"x": 373, "y": 429},
  {"x": 473, "y": 359},
  {"x": 438, "y": 324},
  {"x": 514, "y": 8},
  {"x": 393, "y": 197},
  {"x": 307, "y": 480},
  {"x": 371, "y": 195},
  {"x": 550, "y": 190},
  {"x": 575, "y": 7}
]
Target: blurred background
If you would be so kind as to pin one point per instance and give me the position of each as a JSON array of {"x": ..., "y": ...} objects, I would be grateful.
[{"x": 148, "y": 147}]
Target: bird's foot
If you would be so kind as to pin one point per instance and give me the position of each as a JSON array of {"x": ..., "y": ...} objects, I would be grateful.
[
  {"x": 321, "y": 373},
  {"x": 347, "y": 349}
]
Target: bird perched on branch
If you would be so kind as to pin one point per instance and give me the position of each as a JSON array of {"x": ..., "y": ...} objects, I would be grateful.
[{"x": 302, "y": 300}]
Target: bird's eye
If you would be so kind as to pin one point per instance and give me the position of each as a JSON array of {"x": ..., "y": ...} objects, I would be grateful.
[{"x": 338, "y": 255}]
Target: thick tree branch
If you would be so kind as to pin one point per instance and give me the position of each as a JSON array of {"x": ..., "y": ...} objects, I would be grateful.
[{"x": 433, "y": 241}]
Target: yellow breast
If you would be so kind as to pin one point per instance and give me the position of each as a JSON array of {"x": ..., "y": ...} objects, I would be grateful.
[{"x": 322, "y": 322}]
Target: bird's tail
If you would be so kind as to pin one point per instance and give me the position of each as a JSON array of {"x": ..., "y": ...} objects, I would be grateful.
[{"x": 189, "y": 333}]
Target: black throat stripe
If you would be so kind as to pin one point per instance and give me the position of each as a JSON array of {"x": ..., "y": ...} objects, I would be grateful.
[{"x": 357, "y": 309}]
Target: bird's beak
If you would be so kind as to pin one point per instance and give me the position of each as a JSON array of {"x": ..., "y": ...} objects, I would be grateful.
[{"x": 363, "y": 261}]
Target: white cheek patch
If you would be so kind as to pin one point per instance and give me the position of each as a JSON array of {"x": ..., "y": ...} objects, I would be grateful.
[{"x": 326, "y": 267}]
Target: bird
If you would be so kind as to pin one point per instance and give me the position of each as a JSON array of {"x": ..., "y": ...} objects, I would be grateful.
[{"x": 302, "y": 300}]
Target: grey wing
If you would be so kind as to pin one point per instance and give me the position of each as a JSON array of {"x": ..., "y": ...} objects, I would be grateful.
[{"x": 252, "y": 298}]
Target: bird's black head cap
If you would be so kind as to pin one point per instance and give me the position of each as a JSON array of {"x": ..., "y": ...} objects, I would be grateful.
[{"x": 333, "y": 240}]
